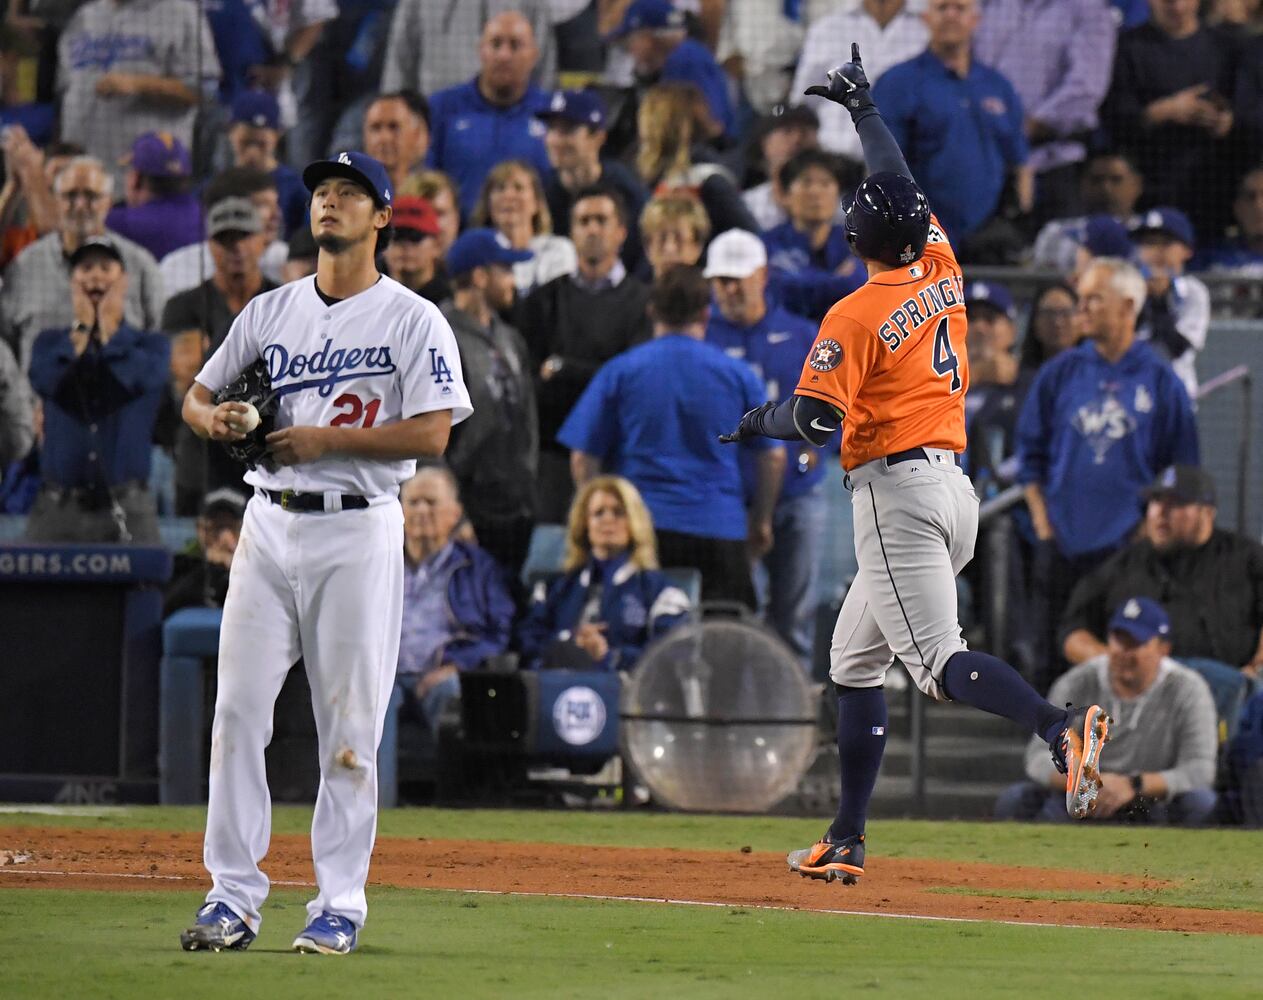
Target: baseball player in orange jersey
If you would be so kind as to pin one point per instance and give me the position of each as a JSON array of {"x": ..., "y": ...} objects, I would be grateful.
[{"x": 889, "y": 363}]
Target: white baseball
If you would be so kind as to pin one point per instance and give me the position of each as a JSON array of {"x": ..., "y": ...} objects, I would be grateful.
[{"x": 248, "y": 421}]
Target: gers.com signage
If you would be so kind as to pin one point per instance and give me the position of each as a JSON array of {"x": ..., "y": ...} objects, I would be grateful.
[
  {"x": 43, "y": 563},
  {"x": 88, "y": 563}
]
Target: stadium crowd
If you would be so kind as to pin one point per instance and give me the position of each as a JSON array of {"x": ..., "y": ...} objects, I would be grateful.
[{"x": 631, "y": 218}]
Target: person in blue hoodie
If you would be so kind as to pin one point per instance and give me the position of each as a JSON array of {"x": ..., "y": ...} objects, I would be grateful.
[
  {"x": 457, "y": 609},
  {"x": 1101, "y": 420},
  {"x": 475, "y": 125},
  {"x": 774, "y": 342},
  {"x": 612, "y": 600}
]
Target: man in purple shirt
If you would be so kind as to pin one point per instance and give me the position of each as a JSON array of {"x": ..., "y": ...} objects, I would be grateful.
[
  {"x": 159, "y": 212},
  {"x": 1057, "y": 54}
]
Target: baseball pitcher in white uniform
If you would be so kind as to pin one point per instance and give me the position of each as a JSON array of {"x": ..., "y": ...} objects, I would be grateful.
[{"x": 367, "y": 377}]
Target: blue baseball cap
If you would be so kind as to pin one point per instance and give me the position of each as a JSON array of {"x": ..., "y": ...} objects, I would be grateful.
[
  {"x": 480, "y": 247},
  {"x": 1141, "y": 618},
  {"x": 1105, "y": 236},
  {"x": 654, "y": 14},
  {"x": 1170, "y": 221},
  {"x": 576, "y": 107},
  {"x": 356, "y": 166},
  {"x": 990, "y": 293},
  {"x": 257, "y": 108}
]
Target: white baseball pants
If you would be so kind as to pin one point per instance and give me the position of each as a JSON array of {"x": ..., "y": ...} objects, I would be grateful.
[
  {"x": 915, "y": 526},
  {"x": 327, "y": 587}
]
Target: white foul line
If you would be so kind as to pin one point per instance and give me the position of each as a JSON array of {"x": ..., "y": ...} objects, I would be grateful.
[{"x": 19, "y": 870}]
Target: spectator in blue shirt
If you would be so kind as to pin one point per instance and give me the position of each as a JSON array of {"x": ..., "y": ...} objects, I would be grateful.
[
  {"x": 101, "y": 382},
  {"x": 654, "y": 34},
  {"x": 161, "y": 212},
  {"x": 475, "y": 125},
  {"x": 958, "y": 122},
  {"x": 654, "y": 415},
  {"x": 457, "y": 610},
  {"x": 774, "y": 342},
  {"x": 612, "y": 599},
  {"x": 254, "y": 135},
  {"x": 811, "y": 259},
  {"x": 1099, "y": 423}
]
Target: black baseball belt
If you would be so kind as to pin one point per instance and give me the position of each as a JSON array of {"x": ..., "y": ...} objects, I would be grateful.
[
  {"x": 912, "y": 455},
  {"x": 310, "y": 503}
]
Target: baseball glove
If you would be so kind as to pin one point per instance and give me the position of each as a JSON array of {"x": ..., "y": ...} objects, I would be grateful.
[{"x": 253, "y": 386}]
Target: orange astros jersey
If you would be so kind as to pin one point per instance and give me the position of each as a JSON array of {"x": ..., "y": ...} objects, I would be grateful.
[{"x": 891, "y": 357}]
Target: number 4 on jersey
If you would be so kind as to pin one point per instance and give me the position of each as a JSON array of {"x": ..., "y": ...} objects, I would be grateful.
[{"x": 945, "y": 360}]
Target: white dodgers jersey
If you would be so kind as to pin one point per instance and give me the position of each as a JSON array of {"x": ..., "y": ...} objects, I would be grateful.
[{"x": 381, "y": 356}]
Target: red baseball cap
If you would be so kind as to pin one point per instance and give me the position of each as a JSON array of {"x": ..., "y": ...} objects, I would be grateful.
[{"x": 417, "y": 214}]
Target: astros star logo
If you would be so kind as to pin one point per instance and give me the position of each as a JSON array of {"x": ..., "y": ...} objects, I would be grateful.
[{"x": 826, "y": 356}]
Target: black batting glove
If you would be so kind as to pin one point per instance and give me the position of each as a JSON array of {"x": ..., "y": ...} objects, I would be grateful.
[
  {"x": 849, "y": 87},
  {"x": 751, "y": 425}
]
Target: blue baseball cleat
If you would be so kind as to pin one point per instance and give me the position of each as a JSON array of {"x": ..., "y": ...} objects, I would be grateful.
[
  {"x": 217, "y": 928},
  {"x": 328, "y": 934}
]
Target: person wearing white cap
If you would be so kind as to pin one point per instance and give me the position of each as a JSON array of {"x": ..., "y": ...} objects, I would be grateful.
[{"x": 773, "y": 342}]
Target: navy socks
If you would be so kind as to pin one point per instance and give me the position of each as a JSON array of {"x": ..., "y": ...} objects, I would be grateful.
[
  {"x": 988, "y": 683},
  {"x": 861, "y": 743}
]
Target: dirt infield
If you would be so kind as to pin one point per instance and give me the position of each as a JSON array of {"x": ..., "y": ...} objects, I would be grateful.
[{"x": 135, "y": 860}]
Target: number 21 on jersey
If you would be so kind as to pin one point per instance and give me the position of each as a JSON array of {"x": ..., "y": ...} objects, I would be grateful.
[{"x": 945, "y": 360}]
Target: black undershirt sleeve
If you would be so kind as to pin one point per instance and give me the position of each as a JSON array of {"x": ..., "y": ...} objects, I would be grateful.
[{"x": 801, "y": 418}]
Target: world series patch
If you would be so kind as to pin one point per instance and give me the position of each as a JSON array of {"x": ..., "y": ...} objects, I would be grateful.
[{"x": 826, "y": 356}]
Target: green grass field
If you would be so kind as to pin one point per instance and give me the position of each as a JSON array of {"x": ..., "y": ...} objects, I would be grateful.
[{"x": 69, "y": 944}]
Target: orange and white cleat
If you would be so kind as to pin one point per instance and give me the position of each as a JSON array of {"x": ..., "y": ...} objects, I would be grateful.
[
  {"x": 1078, "y": 756},
  {"x": 828, "y": 860}
]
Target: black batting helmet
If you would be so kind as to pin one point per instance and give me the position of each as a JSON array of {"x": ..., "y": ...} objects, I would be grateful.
[{"x": 889, "y": 220}]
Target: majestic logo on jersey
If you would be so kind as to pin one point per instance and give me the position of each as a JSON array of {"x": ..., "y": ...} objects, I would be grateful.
[
  {"x": 826, "y": 356},
  {"x": 329, "y": 366},
  {"x": 1103, "y": 423},
  {"x": 916, "y": 312}
]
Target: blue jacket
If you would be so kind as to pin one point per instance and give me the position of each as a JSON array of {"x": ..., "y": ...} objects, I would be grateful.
[
  {"x": 775, "y": 347},
  {"x": 103, "y": 403},
  {"x": 1094, "y": 435},
  {"x": 479, "y": 606},
  {"x": 637, "y": 605},
  {"x": 469, "y": 135},
  {"x": 805, "y": 281},
  {"x": 961, "y": 137}
]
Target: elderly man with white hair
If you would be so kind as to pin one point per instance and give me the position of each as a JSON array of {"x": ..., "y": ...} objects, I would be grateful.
[
  {"x": 1100, "y": 422},
  {"x": 36, "y": 293}
]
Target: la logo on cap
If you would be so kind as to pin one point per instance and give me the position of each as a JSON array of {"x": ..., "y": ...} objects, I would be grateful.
[
  {"x": 980, "y": 290},
  {"x": 1132, "y": 609},
  {"x": 1154, "y": 220},
  {"x": 344, "y": 158},
  {"x": 559, "y": 101}
]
